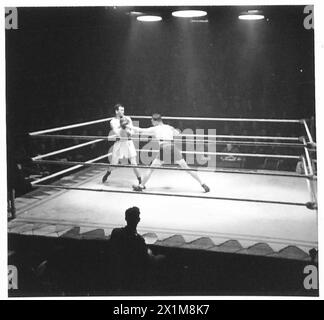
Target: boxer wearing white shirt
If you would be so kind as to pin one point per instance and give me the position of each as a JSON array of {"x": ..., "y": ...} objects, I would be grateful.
[
  {"x": 122, "y": 127},
  {"x": 165, "y": 134}
]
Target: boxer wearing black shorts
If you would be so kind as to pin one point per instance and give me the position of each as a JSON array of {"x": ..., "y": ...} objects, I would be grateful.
[{"x": 169, "y": 153}]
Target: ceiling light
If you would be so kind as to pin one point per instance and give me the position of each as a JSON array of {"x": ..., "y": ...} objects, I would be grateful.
[
  {"x": 200, "y": 21},
  {"x": 251, "y": 15},
  {"x": 135, "y": 13},
  {"x": 189, "y": 13},
  {"x": 149, "y": 18}
]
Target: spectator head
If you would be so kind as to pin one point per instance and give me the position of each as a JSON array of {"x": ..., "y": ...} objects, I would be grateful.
[
  {"x": 156, "y": 119},
  {"x": 313, "y": 255},
  {"x": 132, "y": 216},
  {"x": 229, "y": 147},
  {"x": 119, "y": 110}
]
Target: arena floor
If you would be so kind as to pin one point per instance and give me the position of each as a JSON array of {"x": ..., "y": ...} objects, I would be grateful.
[{"x": 203, "y": 223}]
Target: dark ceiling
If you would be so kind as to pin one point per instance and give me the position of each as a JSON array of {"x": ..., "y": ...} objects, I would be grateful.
[{"x": 72, "y": 64}]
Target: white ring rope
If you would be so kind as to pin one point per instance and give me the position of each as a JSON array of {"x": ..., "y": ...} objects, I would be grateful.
[
  {"x": 183, "y": 152},
  {"x": 77, "y": 125},
  {"x": 257, "y": 155},
  {"x": 200, "y": 169},
  {"x": 223, "y": 119},
  {"x": 277, "y": 202},
  {"x": 146, "y": 139},
  {"x": 59, "y": 173},
  {"x": 296, "y": 139},
  {"x": 66, "y": 149},
  {"x": 249, "y": 137},
  {"x": 81, "y": 124}
]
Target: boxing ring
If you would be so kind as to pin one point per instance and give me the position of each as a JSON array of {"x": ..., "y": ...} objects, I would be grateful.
[{"x": 247, "y": 211}]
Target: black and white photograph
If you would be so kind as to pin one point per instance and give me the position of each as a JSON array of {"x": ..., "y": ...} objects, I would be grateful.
[{"x": 161, "y": 150}]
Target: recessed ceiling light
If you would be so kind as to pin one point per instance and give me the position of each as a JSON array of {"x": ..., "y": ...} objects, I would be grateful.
[
  {"x": 149, "y": 18},
  {"x": 251, "y": 15},
  {"x": 189, "y": 13},
  {"x": 199, "y": 21},
  {"x": 135, "y": 13}
]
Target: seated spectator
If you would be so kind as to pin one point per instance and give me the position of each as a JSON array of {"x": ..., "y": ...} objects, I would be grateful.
[
  {"x": 230, "y": 149},
  {"x": 300, "y": 167},
  {"x": 130, "y": 256},
  {"x": 18, "y": 184},
  {"x": 314, "y": 165}
]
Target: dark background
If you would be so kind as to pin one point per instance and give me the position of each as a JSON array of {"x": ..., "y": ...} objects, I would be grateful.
[
  {"x": 73, "y": 64},
  {"x": 69, "y": 65}
]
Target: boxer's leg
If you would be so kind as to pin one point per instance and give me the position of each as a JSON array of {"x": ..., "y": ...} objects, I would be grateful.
[
  {"x": 156, "y": 163},
  {"x": 133, "y": 162},
  {"x": 114, "y": 161},
  {"x": 183, "y": 164}
]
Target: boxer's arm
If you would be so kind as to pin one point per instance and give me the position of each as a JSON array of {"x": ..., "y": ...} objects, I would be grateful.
[
  {"x": 129, "y": 130},
  {"x": 115, "y": 128},
  {"x": 130, "y": 123},
  {"x": 149, "y": 131},
  {"x": 176, "y": 132},
  {"x": 130, "y": 127}
]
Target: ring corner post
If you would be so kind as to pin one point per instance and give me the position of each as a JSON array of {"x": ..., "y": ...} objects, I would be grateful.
[{"x": 309, "y": 136}]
